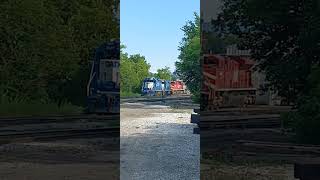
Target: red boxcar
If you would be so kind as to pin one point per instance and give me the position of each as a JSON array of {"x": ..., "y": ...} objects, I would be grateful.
[{"x": 226, "y": 76}]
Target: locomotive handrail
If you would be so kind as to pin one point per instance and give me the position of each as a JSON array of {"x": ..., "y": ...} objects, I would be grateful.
[{"x": 88, "y": 86}]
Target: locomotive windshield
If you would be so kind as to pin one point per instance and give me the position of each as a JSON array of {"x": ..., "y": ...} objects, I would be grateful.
[
  {"x": 106, "y": 70},
  {"x": 149, "y": 84}
]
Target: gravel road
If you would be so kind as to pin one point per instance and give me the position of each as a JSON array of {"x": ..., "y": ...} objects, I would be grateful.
[{"x": 157, "y": 142}]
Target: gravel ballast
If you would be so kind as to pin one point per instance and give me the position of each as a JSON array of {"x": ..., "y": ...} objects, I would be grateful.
[{"x": 158, "y": 144}]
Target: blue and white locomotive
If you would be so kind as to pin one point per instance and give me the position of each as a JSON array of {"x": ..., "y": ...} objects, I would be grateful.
[
  {"x": 155, "y": 87},
  {"x": 103, "y": 90}
]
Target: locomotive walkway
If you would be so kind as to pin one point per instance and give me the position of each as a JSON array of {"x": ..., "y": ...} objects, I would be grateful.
[{"x": 157, "y": 142}]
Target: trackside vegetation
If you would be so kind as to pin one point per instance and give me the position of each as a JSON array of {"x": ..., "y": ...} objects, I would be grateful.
[{"x": 45, "y": 52}]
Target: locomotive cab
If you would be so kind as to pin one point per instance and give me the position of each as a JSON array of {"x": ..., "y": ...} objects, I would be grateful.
[
  {"x": 103, "y": 89},
  {"x": 155, "y": 87}
]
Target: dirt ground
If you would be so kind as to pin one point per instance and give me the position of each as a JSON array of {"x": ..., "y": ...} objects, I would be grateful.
[{"x": 157, "y": 142}]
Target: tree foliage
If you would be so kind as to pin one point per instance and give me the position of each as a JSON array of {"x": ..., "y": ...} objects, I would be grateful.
[
  {"x": 164, "y": 73},
  {"x": 306, "y": 120},
  {"x": 188, "y": 65},
  {"x": 133, "y": 69},
  {"x": 215, "y": 43},
  {"x": 46, "y": 46}
]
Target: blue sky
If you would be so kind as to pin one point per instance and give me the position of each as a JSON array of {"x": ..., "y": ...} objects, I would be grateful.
[{"x": 153, "y": 28}]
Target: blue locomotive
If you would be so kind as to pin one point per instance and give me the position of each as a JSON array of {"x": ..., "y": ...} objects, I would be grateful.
[
  {"x": 103, "y": 89},
  {"x": 155, "y": 87}
]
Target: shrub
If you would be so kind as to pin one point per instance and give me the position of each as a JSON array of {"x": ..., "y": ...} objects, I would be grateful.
[{"x": 305, "y": 122}]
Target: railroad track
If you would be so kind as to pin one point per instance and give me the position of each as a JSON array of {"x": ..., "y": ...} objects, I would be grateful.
[
  {"x": 289, "y": 152},
  {"x": 156, "y": 99},
  {"x": 9, "y": 121},
  {"x": 255, "y": 134},
  {"x": 241, "y": 122},
  {"x": 251, "y": 135},
  {"x": 227, "y": 136},
  {"x": 250, "y": 110},
  {"x": 263, "y": 150},
  {"x": 279, "y": 148},
  {"x": 207, "y": 122},
  {"x": 110, "y": 129},
  {"x": 27, "y": 136}
]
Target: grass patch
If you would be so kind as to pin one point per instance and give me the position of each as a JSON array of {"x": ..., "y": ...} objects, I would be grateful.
[
  {"x": 129, "y": 94},
  {"x": 37, "y": 109}
]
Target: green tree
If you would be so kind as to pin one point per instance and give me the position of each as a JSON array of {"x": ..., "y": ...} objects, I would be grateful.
[
  {"x": 188, "y": 65},
  {"x": 306, "y": 120},
  {"x": 174, "y": 76},
  {"x": 92, "y": 23},
  {"x": 164, "y": 73},
  {"x": 46, "y": 47},
  {"x": 36, "y": 50},
  {"x": 215, "y": 43},
  {"x": 133, "y": 69}
]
